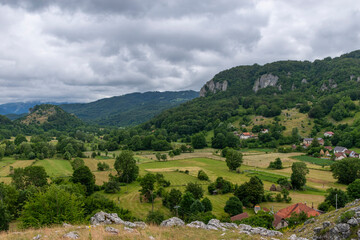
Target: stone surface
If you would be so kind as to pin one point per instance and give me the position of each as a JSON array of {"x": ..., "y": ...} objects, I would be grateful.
[
  {"x": 67, "y": 225},
  {"x": 71, "y": 235},
  {"x": 129, "y": 229},
  {"x": 352, "y": 222},
  {"x": 215, "y": 223},
  {"x": 112, "y": 230},
  {"x": 294, "y": 237},
  {"x": 326, "y": 224},
  {"x": 171, "y": 222},
  {"x": 197, "y": 224},
  {"x": 304, "y": 81},
  {"x": 213, "y": 87},
  {"x": 266, "y": 80},
  {"x": 37, "y": 237}
]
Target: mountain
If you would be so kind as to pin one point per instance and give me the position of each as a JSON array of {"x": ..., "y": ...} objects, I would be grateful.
[
  {"x": 320, "y": 88},
  {"x": 48, "y": 117},
  {"x": 129, "y": 109},
  {"x": 19, "y": 108}
]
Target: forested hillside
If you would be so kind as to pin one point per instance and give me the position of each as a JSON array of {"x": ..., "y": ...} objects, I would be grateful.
[
  {"x": 323, "y": 88},
  {"x": 129, "y": 109}
]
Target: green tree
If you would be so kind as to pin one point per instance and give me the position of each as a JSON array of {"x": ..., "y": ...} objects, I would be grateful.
[
  {"x": 158, "y": 156},
  {"x": 93, "y": 155},
  {"x": 277, "y": 164},
  {"x": 196, "y": 207},
  {"x": 202, "y": 175},
  {"x": 4, "y": 217},
  {"x": 172, "y": 199},
  {"x": 207, "y": 204},
  {"x": 31, "y": 175},
  {"x": 262, "y": 219},
  {"x": 20, "y": 139},
  {"x": 126, "y": 168},
  {"x": 195, "y": 189},
  {"x": 155, "y": 217},
  {"x": 84, "y": 176},
  {"x": 147, "y": 184},
  {"x": 198, "y": 141},
  {"x": 251, "y": 192},
  {"x": 185, "y": 204},
  {"x": 102, "y": 166},
  {"x": 77, "y": 162},
  {"x": 346, "y": 170},
  {"x": 331, "y": 195},
  {"x": 233, "y": 206},
  {"x": 54, "y": 206},
  {"x": 218, "y": 141},
  {"x": 112, "y": 186},
  {"x": 353, "y": 190},
  {"x": 298, "y": 176},
  {"x": 233, "y": 159}
]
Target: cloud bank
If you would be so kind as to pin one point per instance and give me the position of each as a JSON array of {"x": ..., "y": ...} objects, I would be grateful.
[{"x": 79, "y": 51}]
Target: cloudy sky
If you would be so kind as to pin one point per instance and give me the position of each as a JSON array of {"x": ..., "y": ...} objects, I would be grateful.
[{"x": 83, "y": 50}]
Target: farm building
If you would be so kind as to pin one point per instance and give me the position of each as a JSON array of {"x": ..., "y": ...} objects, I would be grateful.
[
  {"x": 308, "y": 141},
  {"x": 239, "y": 217},
  {"x": 328, "y": 134},
  {"x": 281, "y": 216}
]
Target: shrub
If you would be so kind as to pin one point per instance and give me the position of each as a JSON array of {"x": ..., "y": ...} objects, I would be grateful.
[
  {"x": 233, "y": 206},
  {"x": 207, "y": 205},
  {"x": 202, "y": 175},
  {"x": 155, "y": 217},
  {"x": 4, "y": 217},
  {"x": 324, "y": 206},
  {"x": 196, "y": 190},
  {"x": 262, "y": 219},
  {"x": 205, "y": 217},
  {"x": 344, "y": 217},
  {"x": 102, "y": 166}
]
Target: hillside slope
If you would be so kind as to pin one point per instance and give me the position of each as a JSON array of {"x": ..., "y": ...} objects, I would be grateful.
[
  {"x": 50, "y": 117},
  {"x": 313, "y": 87},
  {"x": 129, "y": 109}
]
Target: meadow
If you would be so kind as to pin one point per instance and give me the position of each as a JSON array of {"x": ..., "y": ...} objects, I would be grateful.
[{"x": 255, "y": 164}]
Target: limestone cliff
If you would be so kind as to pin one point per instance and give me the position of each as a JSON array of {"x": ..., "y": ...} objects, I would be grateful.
[
  {"x": 213, "y": 87},
  {"x": 266, "y": 80}
]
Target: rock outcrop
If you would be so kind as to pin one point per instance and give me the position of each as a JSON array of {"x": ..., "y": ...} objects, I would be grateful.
[
  {"x": 71, "y": 235},
  {"x": 266, "y": 80},
  {"x": 172, "y": 222},
  {"x": 103, "y": 218},
  {"x": 331, "y": 84},
  {"x": 304, "y": 81},
  {"x": 213, "y": 87}
]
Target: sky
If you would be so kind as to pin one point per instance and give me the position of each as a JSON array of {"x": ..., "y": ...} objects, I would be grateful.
[{"x": 84, "y": 50}]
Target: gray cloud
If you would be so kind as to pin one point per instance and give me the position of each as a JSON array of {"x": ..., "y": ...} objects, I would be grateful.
[{"x": 83, "y": 50}]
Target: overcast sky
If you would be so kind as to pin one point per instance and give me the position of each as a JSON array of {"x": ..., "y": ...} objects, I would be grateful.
[{"x": 83, "y": 50}]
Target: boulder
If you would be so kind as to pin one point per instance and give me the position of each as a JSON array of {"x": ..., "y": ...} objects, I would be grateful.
[
  {"x": 140, "y": 224},
  {"x": 37, "y": 237},
  {"x": 244, "y": 227},
  {"x": 71, "y": 235},
  {"x": 266, "y": 80},
  {"x": 294, "y": 237},
  {"x": 67, "y": 225},
  {"x": 105, "y": 218},
  {"x": 129, "y": 229},
  {"x": 352, "y": 222},
  {"x": 197, "y": 224},
  {"x": 228, "y": 225},
  {"x": 326, "y": 224},
  {"x": 172, "y": 222},
  {"x": 215, "y": 223},
  {"x": 112, "y": 230}
]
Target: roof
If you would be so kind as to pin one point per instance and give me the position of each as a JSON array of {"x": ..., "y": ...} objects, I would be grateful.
[
  {"x": 340, "y": 149},
  {"x": 308, "y": 139},
  {"x": 246, "y": 134},
  {"x": 277, "y": 220},
  {"x": 328, "y": 147},
  {"x": 330, "y": 133},
  {"x": 240, "y": 216},
  {"x": 297, "y": 208},
  {"x": 339, "y": 155},
  {"x": 266, "y": 209}
]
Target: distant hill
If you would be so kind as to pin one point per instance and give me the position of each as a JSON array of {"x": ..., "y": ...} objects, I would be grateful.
[
  {"x": 48, "y": 117},
  {"x": 19, "y": 108},
  {"x": 322, "y": 88},
  {"x": 130, "y": 109}
]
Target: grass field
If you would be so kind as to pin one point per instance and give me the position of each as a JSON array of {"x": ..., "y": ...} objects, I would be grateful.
[
  {"x": 317, "y": 161},
  {"x": 56, "y": 167}
]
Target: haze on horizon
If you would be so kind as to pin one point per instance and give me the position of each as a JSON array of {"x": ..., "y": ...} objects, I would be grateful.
[{"x": 84, "y": 50}]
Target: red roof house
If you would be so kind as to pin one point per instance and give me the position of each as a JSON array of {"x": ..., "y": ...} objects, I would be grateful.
[
  {"x": 239, "y": 217},
  {"x": 281, "y": 216}
]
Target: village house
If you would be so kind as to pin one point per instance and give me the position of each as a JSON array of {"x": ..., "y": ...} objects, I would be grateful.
[
  {"x": 338, "y": 149},
  {"x": 239, "y": 217},
  {"x": 246, "y": 135},
  {"x": 350, "y": 153},
  {"x": 328, "y": 134},
  {"x": 339, "y": 156},
  {"x": 281, "y": 216},
  {"x": 264, "y": 130},
  {"x": 308, "y": 141}
]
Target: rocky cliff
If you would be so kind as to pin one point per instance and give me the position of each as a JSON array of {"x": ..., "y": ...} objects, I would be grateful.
[
  {"x": 266, "y": 80},
  {"x": 213, "y": 87}
]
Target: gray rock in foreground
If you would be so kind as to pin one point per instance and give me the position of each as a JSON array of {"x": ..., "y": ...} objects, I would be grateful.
[
  {"x": 172, "y": 222},
  {"x": 71, "y": 235}
]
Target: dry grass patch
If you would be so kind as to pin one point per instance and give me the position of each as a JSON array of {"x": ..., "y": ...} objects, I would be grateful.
[
  {"x": 263, "y": 160},
  {"x": 5, "y": 171}
]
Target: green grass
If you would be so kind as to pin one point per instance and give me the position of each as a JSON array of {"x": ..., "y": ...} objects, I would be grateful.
[
  {"x": 265, "y": 176},
  {"x": 56, "y": 167},
  {"x": 263, "y": 150},
  {"x": 317, "y": 161}
]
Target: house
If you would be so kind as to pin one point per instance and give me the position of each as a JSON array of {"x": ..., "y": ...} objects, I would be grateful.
[
  {"x": 283, "y": 214},
  {"x": 273, "y": 188},
  {"x": 264, "y": 130},
  {"x": 257, "y": 208},
  {"x": 350, "y": 153},
  {"x": 322, "y": 152},
  {"x": 239, "y": 217},
  {"x": 328, "y": 134},
  {"x": 308, "y": 141},
  {"x": 339, "y": 156},
  {"x": 328, "y": 148},
  {"x": 246, "y": 135},
  {"x": 327, "y": 153},
  {"x": 338, "y": 149}
]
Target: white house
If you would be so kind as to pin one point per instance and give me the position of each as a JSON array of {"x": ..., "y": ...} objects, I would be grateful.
[
  {"x": 338, "y": 149},
  {"x": 328, "y": 134}
]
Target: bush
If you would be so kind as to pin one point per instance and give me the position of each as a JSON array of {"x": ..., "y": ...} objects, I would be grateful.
[
  {"x": 197, "y": 207},
  {"x": 204, "y": 217},
  {"x": 102, "y": 166},
  {"x": 324, "y": 206},
  {"x": 233, "y": 206},
  {"x": 113, "y": 186},
  {"x": 53, "y": 206},
  {"x": 207, "y": 205},
  {"x": 4, "y": 217},
  {"x": 155, "y": 217},
  {"x": 196, "y": 190},
  {"x": 202, "y": 175},
  {"x": 353, "y": 190},
  {"x": 346, "y": 216},
  {"x": 262, "y": 219}
]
